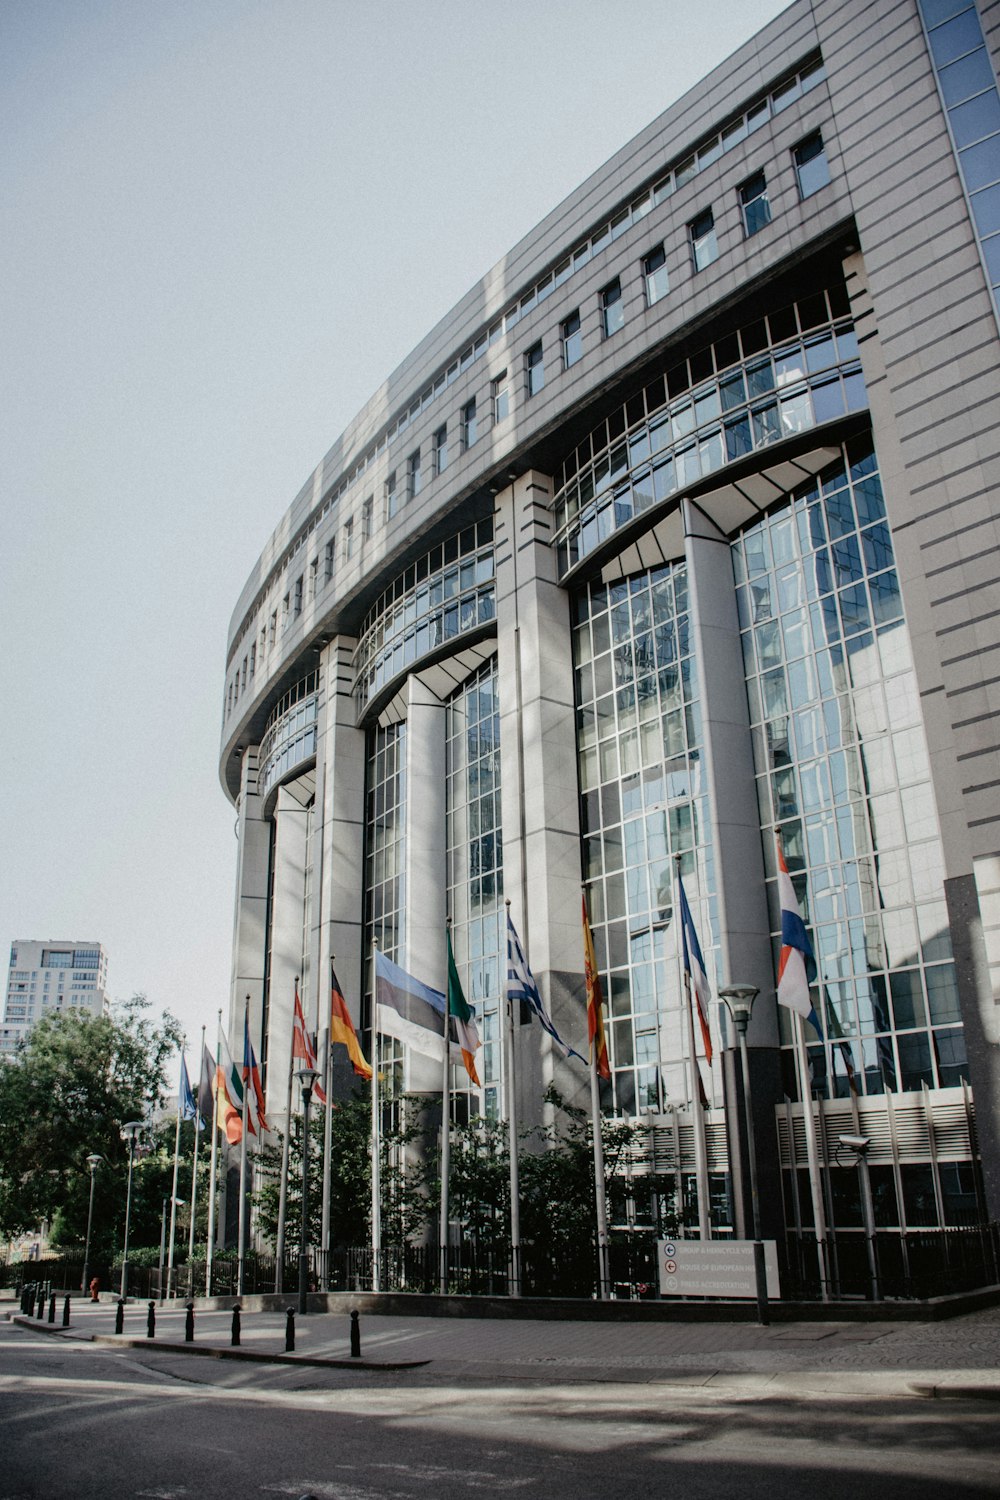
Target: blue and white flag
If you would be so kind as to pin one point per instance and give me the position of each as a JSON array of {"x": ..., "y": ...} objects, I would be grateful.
[
  {"x": 797, "y": 964},
  {"x": 188, "y": 1108},
  {"x": 521, "y": 986},
  {"x": 694, "y": 967}
]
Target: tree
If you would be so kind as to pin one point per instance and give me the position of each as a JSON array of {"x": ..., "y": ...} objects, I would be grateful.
[{"x": 65, "y": 1095}]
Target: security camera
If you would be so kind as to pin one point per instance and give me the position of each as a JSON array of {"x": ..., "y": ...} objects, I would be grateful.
[{"x": 855, "y": 1142}]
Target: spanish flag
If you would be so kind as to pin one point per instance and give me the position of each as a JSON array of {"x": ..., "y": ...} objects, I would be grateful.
[
  {"x": 595, "y": 1003},
  {"x": 342, "y": 1028}
]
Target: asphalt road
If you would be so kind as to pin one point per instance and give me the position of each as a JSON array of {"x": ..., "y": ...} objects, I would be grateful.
[{"x": 81, "y": 1421}]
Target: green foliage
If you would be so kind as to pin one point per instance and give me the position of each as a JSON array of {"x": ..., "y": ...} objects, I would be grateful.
[{"x": 66, "y": 1095}]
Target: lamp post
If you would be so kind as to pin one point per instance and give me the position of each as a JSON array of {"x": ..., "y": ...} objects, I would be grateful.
[
  {"x": 859, "y": 1144},
  {"x": 179, "y": 1202},
  {"x": 738, "y": 1000},
  {"x": 93, "y": 1162},
  {"x": 307, "y": 1078},
  {"x": 130, "y": 1133}
]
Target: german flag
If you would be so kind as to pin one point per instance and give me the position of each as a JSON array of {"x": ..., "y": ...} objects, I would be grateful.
[{"x": 342, "y": 1028}]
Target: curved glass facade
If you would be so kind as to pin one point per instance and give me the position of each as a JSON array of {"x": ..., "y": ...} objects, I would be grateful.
[
  {"x": 642, "y": 803},
  {"x": 776, "y": 377},
  {"x": 475, "y": 863},
  {"x": 289, "y": 740},
  {"x": 843, "y": 776},
  {"x": 450, "y": 591}
]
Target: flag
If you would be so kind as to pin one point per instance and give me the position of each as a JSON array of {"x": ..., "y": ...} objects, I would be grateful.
[
  {"x": 595, "y": 1003},
  {"x": 206, "y": 1084},
  {"x": 251, "y": 1074},
  {"x": 342, "y": 1028},
  {"x": 521, "y": 986},
  {"x": 462, "y": 1019},
  {"x": 229, "y": 1090},
  {"x": 410, "y": 1010},
  {"x": 185, "y": 1098},
  {"x": 694, "y": 968},
  {"x": 304, "y": 1046},
  {"x": 797, "y": 965}
]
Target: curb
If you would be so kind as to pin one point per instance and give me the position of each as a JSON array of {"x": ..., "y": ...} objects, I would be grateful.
[
  {"x": 956, "y": 1392},
  {"x": 253, "y": 1356}
]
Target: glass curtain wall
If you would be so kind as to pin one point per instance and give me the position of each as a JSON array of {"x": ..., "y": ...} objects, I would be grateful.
[
  {"x": 475, "y": 866},
  {"x": 642, "y": 803},
  {"x": 385, "y": 841},
  {"x": 843, "y": 777}
]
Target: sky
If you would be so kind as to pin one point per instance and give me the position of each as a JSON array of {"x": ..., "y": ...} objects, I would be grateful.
[{"x": 225, "y": 222}]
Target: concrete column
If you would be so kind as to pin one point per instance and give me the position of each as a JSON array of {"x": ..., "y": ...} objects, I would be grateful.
[
  {"x": 253, "y": 835},
  {"x": 425, "y": 879},
  {"x": 744, "y": 927},
  {"x": 338, "y": 850},
  {"x": 540, "y": 785},
  {"x": 287, "y": 934}
]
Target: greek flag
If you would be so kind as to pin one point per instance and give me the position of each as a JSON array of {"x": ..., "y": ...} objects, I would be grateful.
[{"x": 521, "y": 986}]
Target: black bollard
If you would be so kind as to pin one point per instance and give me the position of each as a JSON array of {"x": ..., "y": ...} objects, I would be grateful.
[
  {"x": 235, "y": 1338},
  {"x": 27, "y": 1299},
  {"x": 120, "y": 1317},
  {"x": 189, "y": 1324},
  {"x": 65, "y": 1321},
  {"x": 42, "y": 1299},
  {"x": 355, "y": 1336},
  {"x": 52, "y": 1308},
  {"x": 151, "y": 1321},
  {"x": 290, "y": 1331}
]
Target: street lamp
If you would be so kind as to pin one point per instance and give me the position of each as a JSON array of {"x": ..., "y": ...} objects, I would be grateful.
[
  {"x": 307, "y": 1078},
  {"x": 858, "y": 1144},
  {"x": 163, "y": 1235},
  {"x": 130, "y": 1133},
  {"x": 738, "y": 1000},
  {"x": 93, "y": 1162}
]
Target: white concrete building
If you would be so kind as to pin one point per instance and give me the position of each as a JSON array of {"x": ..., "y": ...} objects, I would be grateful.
[{"x": 45, "y": 978}]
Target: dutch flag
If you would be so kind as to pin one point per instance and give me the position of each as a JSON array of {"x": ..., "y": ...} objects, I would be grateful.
[{"x": 797, "y": 964}]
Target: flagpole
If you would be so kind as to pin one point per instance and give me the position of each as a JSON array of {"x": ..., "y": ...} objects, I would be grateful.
[
  {"x": 194, "y": 1169},
  {"x": 279, "y": 1259},
  {"x": 376, "y": 1183},
  {"x": 445, "y": 1145},
  {"x": 173, "y": 1190},
  {"x": 210, "y": 1245},
  {"x": 694, "y": 1077},
  {"x": 812, "y": 1157},
  {"x": 600, "y": 1195},
  {"x": 241, "y": 1240},
  {"x": 515, "y": 1186},
  {"x": 326, "y": 1238}
]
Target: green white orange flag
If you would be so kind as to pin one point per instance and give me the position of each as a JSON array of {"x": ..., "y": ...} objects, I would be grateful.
[
  {"x": 462, "y": 1019},
  {"x": 229, "y": 1088},
  {"x": 595, "y": 1003}
]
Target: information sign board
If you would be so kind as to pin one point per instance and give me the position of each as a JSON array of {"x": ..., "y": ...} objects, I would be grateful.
[{"x": 714, "y": 1268}]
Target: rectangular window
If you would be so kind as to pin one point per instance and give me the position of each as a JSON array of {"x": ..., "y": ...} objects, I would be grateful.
[
  {"x": 243, "y": 679},
  {"x": 414, "y": 483},
  {"x": 811, "y": 166},
  {"x": 469, "y": 424},
  {"x": 654, "y": 274},
  {"x": 572, "y": 340},
  {"x": 755, "y": 204},
  {"x": 328, "y": 560},
  {"x": 253, "y": 659},
  {"x": 704, "y": 245},
  {"x": 441, "y": 450},
  {"x": 349, "y": 538},
  {"x": 501, "y": 397},
  {"x": 391, "y": 496},
  {"x": 367, "y": 513},
  {"x": 313, "y": 576},
  {"x": 612, "y": 311},
  {"x": 534, "y": 369},
  {"x": 299, "y": 585},
  {"x": 274, "y": 626}
]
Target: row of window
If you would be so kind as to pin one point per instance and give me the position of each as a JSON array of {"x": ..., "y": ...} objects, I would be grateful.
[
  {"x": 812, "y": 173},
  {"x": 791, "y": 88}
]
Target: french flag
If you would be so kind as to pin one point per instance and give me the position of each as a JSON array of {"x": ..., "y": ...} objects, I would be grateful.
[{"x": 797, "y": 964}]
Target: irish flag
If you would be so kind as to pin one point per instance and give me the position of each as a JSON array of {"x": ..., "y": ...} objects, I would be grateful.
[{"x": 229, "y": 1088}]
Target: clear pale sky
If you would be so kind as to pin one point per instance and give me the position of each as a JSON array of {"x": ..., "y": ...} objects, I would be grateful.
[{"x": 225, "y": 222}]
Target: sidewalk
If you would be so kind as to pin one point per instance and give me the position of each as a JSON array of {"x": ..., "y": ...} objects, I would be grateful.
[{"x": 959, "y": 1357}]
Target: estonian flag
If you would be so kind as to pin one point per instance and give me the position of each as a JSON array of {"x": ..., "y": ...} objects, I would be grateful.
[{"x": 409, "y": 1010}]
